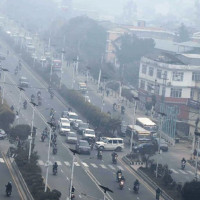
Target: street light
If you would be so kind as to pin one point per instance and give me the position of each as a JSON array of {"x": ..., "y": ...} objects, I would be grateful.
[
  {"x": 105, "y": 189},
  {"x": 48, "y": 156},
  {"x": 4, "y": 78},
  {"x": 20, "y": 96},
  {"x": 72, "y": 173},
  {"x": 159, "y": 127},
  {"x": 134, "y": 112},
  {"x": 31, "y": 136}
]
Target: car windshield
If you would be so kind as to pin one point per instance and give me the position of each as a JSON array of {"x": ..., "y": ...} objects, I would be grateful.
[
  {"x": 73, "y": 116},
  {"x": 84, "y": 143},
  {"x": 72, "y": 134},
  {"x": 65, "y": 126},
  {"x": 90, "y": 132},
  {"x": 64, "y": 121}
]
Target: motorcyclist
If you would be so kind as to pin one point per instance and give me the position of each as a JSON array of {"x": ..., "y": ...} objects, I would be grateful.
[
  {"x": 72, "y": 192},
  {"x": 55, "y": 166},
  {"x": 136, "y": 185},
  {"x": 9, "y": 187},
  {"x": 119, "y": 175},
  {"x": 183, "y": 162},
  {"x": 114, "y": 156},
  {"x": 99, "y": 154}
]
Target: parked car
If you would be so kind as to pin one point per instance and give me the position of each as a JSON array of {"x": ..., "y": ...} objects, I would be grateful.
[
  {"x": 82, "y": 146},
  {"x": 88, "y": 134},
  {"x": 71, "y": 138},
  {"x": 163, "y": 144},
  {"x": 3, "y": 134},
  {"x": 81, "y": 127},
  {"x": 144, "y": 147}
]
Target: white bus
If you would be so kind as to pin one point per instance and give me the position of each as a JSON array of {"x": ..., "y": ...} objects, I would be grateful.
[
  {"x": 139, "y": 134},
  {"x": 147, "y": 124}
]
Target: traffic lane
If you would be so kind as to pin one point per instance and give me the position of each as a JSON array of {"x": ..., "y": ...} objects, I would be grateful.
[{"x": 5, "y": 177}]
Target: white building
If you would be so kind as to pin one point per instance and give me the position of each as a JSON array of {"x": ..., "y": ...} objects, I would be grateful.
[{"x": 176, "y": 79}]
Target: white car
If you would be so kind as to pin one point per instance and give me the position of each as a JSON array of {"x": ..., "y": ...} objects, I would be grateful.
[
  {"x": 3, "y": 134},
  {"x": 72, "y": 116},
  {"x": 64, "y": 126},
  {"x": 71, "y": 138},
  {"x": 88, "y": 133},
  {"x": 62, "y": 120}
]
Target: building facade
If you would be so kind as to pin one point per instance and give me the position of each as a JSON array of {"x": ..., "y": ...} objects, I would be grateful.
[{"x": 174, "y": 82}]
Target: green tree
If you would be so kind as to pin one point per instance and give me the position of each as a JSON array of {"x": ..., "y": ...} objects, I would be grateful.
[
  {"x": 191, "y": 190},
  {"x": 183, "y": 34}
]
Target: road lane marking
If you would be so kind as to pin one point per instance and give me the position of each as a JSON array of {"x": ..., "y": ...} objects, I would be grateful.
[
  {"x": 76, "y": 164},
  {"x": 93, "y": 165},
  {"x": 67, "y": 163},
  {"x": 40, "y": 162},
  {"x": 174, "y": 171},
  {"x": 85, "y": 164},
  {"x": 59, "y": 163},
  {"x": 111, "y": 167},
  {"x": 120, "y": 167},
  {"x": 182, "y": 171},
  {"x": 1, "y": 160},
  {"x": 103, "y": 166},
  {"x": 192, "y": 173}
]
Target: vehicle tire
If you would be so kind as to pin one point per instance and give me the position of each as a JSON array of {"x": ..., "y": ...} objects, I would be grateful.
[
  {"x": 118, "y": 149},
  {"x": 101, "y": 148}
]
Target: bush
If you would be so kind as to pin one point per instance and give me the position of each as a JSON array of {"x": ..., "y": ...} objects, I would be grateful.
[
  {"x": 22, "y": 131},
  {"x": 191, "y": 190}
]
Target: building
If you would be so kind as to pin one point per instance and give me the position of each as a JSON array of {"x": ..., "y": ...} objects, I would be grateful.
[{"x": 174, "y": 79}]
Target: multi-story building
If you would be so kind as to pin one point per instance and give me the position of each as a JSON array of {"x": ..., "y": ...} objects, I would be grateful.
[{"x": 175, "y": 79}]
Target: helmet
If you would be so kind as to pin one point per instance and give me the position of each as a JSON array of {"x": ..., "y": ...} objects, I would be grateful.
[{"x": 119, "y": 171}]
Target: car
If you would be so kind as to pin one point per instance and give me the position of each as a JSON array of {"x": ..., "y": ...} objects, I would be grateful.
[
  {"x": 163, "y": 144},
  {"x": 107, "y": 143},
  {"x": 72, "y": 116},
  {"x": 76, "y": 123},
  {"x": 81, "y": 127},
  {"x": 144, "y": 147},
  {"x": 64, "y": 128},
  {"x": 71, "y": 138},
  {"x": 3, "y": 134},
  {"x": 88, "y": 134},
  {"x": 62, "y": 120},
  {"x": 82, "y": 146},
  {"x": 23, "y": 82}
]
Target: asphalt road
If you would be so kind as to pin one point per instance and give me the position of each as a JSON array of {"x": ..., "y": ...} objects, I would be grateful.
[{"x": 87, "y": 176}]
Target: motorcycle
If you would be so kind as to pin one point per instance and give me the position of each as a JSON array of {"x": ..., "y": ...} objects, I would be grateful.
[
  {"x": 121, "y": 184},
  {"x": 136, "y": 189},
  {"x": 183, "y": 165},
  {"x": 8, "y": 192},
  {"x": 54, "y": 171},
  {"x": 55, "y": 151},
  {"x": 99, "y": 155},
  {"x": 119, "y": 176},
  {"x": 72, "y": 196},
  {"x": 114, "y": 159},
  {"x": 42, "y": 138}
]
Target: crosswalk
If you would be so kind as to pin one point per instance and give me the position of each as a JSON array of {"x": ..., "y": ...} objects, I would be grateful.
[
  {"x": 84, "y": 164},
  {"x": 182, "y": 172}
]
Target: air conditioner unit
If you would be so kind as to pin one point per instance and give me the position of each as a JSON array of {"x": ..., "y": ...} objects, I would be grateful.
[{"x": 168, "y": 83}]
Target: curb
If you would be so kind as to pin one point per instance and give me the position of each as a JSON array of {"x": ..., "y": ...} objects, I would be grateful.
[{"x": 143, "y": 176}]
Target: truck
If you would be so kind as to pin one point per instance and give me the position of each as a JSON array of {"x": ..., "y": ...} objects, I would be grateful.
[{"x": 56, "y": 65}]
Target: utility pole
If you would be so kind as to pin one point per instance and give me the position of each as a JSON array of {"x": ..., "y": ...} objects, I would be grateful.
[
  {"x": 99, "y": 79},
  {"x": 62, "y": 60}
]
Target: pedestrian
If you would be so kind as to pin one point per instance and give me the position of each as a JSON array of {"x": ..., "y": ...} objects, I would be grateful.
[
  {"x": 195, "y": 153},
  {"x": 158, "y": 193}
]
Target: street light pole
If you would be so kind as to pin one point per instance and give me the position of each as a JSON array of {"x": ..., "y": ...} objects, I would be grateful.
[
  {"x": 159, "y": 127},
  {"x": 134, "y": 113},
  {"x": 31, "y": 136}
]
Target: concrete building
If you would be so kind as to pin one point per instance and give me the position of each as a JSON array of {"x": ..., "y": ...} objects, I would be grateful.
[{"x": 175, "y": 79}]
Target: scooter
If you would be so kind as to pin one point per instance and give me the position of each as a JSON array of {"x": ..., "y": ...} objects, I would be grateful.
[
  {"x": 119, "y": 176},
  {"x": 183, "y": 165},
  {"x": 121, "y": 184},
  {"x": 114, "y": 159},
  {"x": 55, "y": 151},
  {"x": 54, "y": 171},
  {"x": 72, "y": 196},
  {"x": 8, "y": 192},
  {"x": 136, "y": 189},
  {"x": 99, "y": 155}
]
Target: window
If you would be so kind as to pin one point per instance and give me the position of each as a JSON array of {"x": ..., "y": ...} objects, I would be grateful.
[
  {"x": 159, "y": 73},
  {"x": 120, "y": 141},
  {"x": 177, "y": 76},
  {"x": 110, "y": 141},
  {"x": 114, "y": 141},
  {"x": 144, "y": 69},
  {"x": 150, "y": 71},
  {"x": 164, "y": 75},
  {"x": 196, "y": 76},
  {"x": 150, "y": 87},
  {"x": 142, "y": 84},
  {"x": 176, "y": 92}
]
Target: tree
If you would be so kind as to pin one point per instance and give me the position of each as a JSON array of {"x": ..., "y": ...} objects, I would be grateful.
[
  {"x": 183, "y": 34},
  {"x": 191, "y": 190}
]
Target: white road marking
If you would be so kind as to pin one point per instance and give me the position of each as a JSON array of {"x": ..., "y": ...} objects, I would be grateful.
[
  {"x": 1, "y": 160},
  {"x": 76, "y": 164},
  {"x": 120, "y": 167},
  {"x": 85, "y": 164},
  {"x": 182, "y": 171},
  {"x": 174, "y": 171},
  {"x": 111, "y": 167},
  {"x": 59, "y": 163},
  {"x": 103, "y": 166},
  {"x": 67, "y": 163},
  {"x": 93, "y": 165},
  {"x": 192, "y": 173},
  {"x": 40, "y": 162}
]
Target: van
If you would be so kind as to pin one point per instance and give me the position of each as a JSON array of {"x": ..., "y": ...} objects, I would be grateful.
[{"x": 107, "y": 143}]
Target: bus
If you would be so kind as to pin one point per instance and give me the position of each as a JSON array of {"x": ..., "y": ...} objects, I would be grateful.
[
  {"x": 140, "y": 134},
  {"x": 56, "y": 65},
  {"x": 82, "y": 87},
  {"x": 147, "y": 124}
]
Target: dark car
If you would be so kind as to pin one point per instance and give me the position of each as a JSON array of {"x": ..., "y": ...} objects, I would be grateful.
[
  {"x": 82, "y": 146},
  {"x": 163, "y": 144},
  {"x": 81, "y": 127},
  {"x": 144, "y": 148}
]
